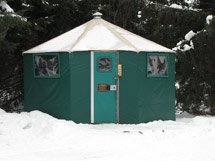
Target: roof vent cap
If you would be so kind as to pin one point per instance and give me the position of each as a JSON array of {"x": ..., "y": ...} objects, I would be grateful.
[{"x": 97, "y": 15}]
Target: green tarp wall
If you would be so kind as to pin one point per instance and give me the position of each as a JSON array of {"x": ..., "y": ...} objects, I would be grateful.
[
  {"x": 67, "y": 97},
  {"x": 142, "y": 99},
  {"x": 80, "y": 86}
]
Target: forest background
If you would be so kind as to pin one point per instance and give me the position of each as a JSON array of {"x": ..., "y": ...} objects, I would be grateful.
[{"x": 186, "y": 26}]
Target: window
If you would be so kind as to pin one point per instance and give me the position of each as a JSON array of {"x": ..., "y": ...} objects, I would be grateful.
[
  {"x": 104, "y": 64},
  {"x": 46, "y": 65},
  {"x": 157, "y": 65}
]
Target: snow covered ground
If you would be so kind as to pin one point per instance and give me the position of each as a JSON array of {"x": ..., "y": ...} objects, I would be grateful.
[{"x": 36, "y": 136}]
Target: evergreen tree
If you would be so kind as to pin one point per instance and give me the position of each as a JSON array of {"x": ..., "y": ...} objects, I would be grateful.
[
  {"x": 167, "y": 26},
  {"x": 208, "y": 5},
  {"x": 36, "y": 21},
  {"x": 195, "y": 71},
  {"x": 14, "y": 37}
]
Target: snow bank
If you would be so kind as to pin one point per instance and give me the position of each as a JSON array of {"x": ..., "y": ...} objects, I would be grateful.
[{"x": 36, "y": 136}]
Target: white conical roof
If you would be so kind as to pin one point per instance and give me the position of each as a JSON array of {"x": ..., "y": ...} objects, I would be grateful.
[{"x": 98, "y": 35}]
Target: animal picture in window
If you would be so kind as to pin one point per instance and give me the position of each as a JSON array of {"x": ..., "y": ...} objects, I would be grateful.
[
  {"x": 157, "y": 65},
  {"x": 46, "y": 65},
  {"x": 104, "y": 64}
]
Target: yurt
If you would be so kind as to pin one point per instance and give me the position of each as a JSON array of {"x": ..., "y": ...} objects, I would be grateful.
[{"x": 100, "y": 73}]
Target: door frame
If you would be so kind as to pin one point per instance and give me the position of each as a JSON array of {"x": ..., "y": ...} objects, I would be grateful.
[
  {"x": 92, "y": 121},
  {"x": 92, "y": 87}
]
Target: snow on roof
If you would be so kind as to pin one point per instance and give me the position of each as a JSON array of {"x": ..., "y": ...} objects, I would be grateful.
[{"x": 96, "y": 35}]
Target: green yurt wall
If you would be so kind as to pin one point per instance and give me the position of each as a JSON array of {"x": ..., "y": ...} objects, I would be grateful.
[
  {"x": 66, "y": 97},
  {"x": 143, "y": 98},
  {"x": 80, "y": 86},
  {"x": 50, "y": 95}
]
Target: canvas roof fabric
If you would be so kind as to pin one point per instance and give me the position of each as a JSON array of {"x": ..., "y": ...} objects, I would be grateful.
[{"x": 98, "y": 35}]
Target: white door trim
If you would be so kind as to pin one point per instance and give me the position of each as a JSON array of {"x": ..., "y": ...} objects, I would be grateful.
[{"x": 92, "y": 86}]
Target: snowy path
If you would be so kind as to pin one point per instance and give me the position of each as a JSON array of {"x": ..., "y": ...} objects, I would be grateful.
[{"x": 36, "y": 136}]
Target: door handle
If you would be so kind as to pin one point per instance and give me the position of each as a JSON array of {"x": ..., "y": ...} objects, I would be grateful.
[{"x": 116, "y": 77}]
